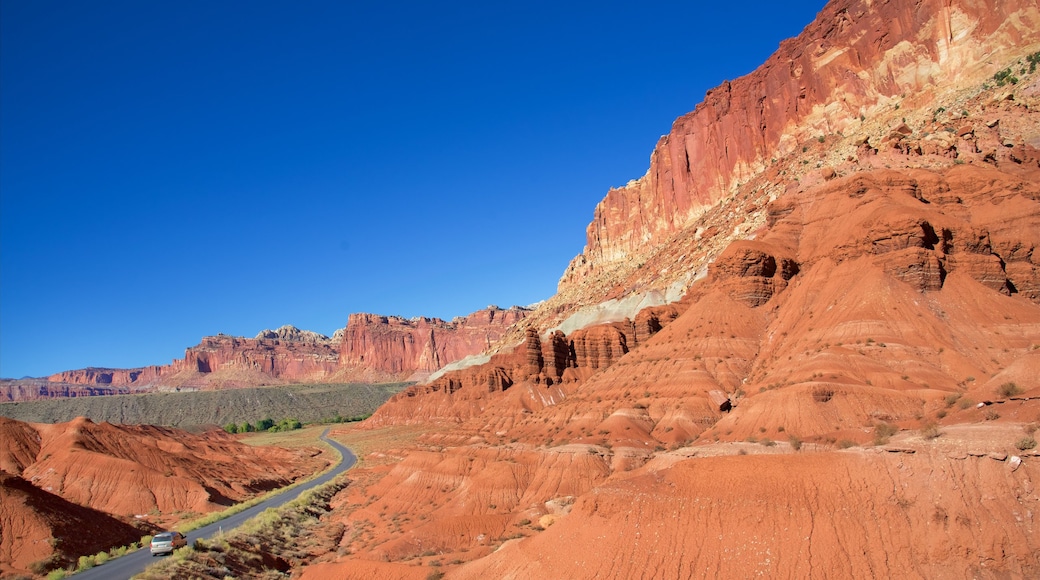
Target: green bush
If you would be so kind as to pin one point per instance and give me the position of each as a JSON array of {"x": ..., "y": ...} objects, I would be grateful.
[{"x": 1004, "y": 77}]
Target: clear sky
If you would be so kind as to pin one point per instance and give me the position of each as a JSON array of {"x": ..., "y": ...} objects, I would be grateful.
[{"x": 170, "y": 170}]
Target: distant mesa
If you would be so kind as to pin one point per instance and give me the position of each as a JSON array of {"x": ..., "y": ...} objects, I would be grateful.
[{"x": 372, "y": 348}]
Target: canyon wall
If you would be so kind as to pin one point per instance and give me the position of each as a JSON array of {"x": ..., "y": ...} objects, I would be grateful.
[
  {"x": 372, "y": 348},
  {"x": 855, "y": 60},
  {"x": 399, "y": 347}
]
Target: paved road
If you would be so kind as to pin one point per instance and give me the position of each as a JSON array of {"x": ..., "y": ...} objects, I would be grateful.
[{"x": 135, "y": 562}]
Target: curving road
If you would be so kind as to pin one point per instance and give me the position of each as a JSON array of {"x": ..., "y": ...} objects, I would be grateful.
[{"x": 135, "y": 562}]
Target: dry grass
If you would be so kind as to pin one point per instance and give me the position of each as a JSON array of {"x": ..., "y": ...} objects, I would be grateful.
[
  {"x": 306, "y": 437},
  {"x": 363, "y": 442}
]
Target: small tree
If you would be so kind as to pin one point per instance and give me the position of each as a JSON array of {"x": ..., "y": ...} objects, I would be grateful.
[{"x": 231, "y": 428}]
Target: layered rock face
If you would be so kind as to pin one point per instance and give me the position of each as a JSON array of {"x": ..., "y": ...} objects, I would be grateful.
[
  {"x": 36, "y": 389},
  {"x": 293, "y": 356},
  {"x": 844, "y": 70},
  {"x": 287, "y": 354},
  {"x": 372, "y": 348},
  {"x": 391, "y": 346},
  {"x": 98, "y": 376},
  {"x": 556, "y": 362}
]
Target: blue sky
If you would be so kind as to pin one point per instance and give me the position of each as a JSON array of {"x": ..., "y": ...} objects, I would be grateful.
[{"x": 170, "y": 170}]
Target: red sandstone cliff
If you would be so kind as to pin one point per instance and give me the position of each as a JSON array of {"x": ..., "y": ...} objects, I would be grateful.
[
  {"x": 372, "y": 348},
  {"x": 855, "y": 62},
  {"x": 390, "y": 346}
]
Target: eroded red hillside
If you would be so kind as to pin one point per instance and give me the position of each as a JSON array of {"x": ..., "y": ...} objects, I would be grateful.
[{"x": 116, "y": 474}]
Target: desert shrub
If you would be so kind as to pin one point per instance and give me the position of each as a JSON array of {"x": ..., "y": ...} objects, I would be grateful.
[
  {"x": 57, "y": 574},
  {"x": 767, "y": 442},
  {"x": 846, "y": 443},
  {"x": 120, "y": 551},
  {"x": 231, "y": 428},
  {"x": 101, "y": 557},
  {"x": 930, "y": 431},
  {"x": 85, "y": 563},
  {"x": 883, "y": 432},
  {"x": 1004, "y": 77},
  {"x": 965, "y": 402},
  {"x": 991, "y": 415},
  {"x": 1009, "y": 390},
  {"x": 43, "y": 566},
  {"x": 1025, "y": 443},
  {"x": 795, "y": 442}
]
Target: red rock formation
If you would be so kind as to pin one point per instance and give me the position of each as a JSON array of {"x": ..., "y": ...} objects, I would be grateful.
[
  {"x": 549, "y": 363},
  {"x": 35, "y": 389},
  {"x": 841, "y": 70},
  {"x": 115, "y": 377},
  {"x": 372, "y": 348},
  {"x": 279, "y": 359},
  {"x": 398, "y": 347}
]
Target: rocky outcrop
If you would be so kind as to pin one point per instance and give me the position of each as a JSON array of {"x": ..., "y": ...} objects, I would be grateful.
[
  {"x": 551, "y": 362},
  {"x": 752, "y": 272},
  {"x": 302, "y": 357},
  {"x": 858, "y": 59},
  {"x": 290, "y": 333},
  {"x": 398, "y": 347}
]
